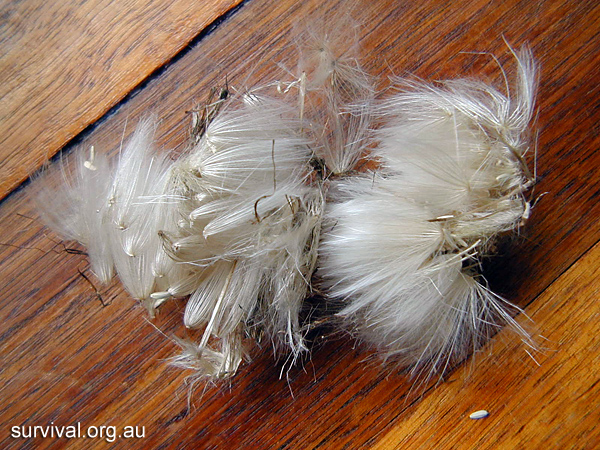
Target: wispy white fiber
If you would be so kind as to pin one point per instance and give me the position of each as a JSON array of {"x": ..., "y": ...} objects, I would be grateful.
[
  {"x": 268, "y": 192},
  {"x": 116, "y": 211},
  {"x": 336, "y": 96},
  {"x": 76, "y": 209},
  {"x": 248, "y": 222},
  {"x": 404, "y": 246},
  {"x": 134, "y": 214}
]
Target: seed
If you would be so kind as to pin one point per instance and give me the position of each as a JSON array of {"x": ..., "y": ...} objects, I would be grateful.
[{"x": 481, "y": 414}]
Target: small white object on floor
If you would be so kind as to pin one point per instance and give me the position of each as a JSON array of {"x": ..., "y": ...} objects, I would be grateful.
[{"x": 481, "y": 414}]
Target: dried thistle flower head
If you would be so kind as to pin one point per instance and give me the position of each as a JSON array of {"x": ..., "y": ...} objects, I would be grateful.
[
  {"x": 405, "y": 245},
  {"x": 249, "y": 220},
  {"x": 336, "y": 96},
  {"x": 235, "y": 224}
]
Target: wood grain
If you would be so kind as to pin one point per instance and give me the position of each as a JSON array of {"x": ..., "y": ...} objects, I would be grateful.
[
  {"x": 532, "y": 404},
  {"x": 65, "y": 63},
  {"x": 67, "y": 359}
]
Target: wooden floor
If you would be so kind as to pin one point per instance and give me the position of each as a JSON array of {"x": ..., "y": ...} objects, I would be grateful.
[{"x": 76, "y": 73}]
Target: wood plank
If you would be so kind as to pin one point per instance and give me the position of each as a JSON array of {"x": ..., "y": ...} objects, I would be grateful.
[
  {"x": 67, "y": 359},
  {"x": 63, "y": 64},
  {"x": 553, "y": 405}
]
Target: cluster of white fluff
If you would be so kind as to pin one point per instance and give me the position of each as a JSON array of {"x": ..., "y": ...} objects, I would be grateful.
[
  {"x": 267, "y": 195},
  {"x": 405, "y": 248}
]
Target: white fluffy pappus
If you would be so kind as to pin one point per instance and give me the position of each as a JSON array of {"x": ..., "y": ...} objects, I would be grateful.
[
  {"x": 76, "y": 208},
  {"x": 235, "y": 223},
  {"x": 136, "y": 211},
  {"x": 336, "y": 97},
  {"x": 115, "y": 212},
  {"x": 250, "y": 220},
  {"x": 404, "y": 247}
]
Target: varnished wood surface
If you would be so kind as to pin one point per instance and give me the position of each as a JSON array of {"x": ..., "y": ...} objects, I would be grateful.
[
  {"x": 537, "y": 403},
  {"x": 64, "y": 64},
  {"x": 66, "y": 359}
]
